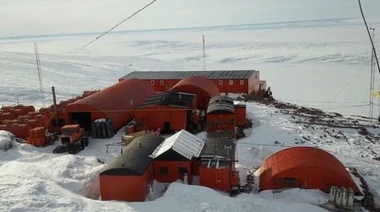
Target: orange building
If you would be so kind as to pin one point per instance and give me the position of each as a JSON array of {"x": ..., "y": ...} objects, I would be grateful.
[
  {"x": 217, "y": 168},
  {"x": 202, "y": 87},
  {"x": 240, "y": 114},
  {"x": 304, "y": 167},
  {"x": 115, "y": 103},
  {"x": 170, "y": 111},
  {"x": 174, "y": 158},
  {"x": 220, "y": 114},
  {"x": 231, "y": 81},
  {"x": 129, "y": 176}
]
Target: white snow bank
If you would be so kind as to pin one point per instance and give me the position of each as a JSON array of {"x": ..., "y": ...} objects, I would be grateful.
[
  {"x": 46, "y": 182},
  {"x": 182, "y": 197},
  {"x": 6, "y": 139},
  {"x": 315, "y": 197}
]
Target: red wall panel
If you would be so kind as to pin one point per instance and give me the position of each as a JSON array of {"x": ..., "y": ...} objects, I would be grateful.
[
  {"x": 173, "y": 173},
  {"x": 126, "y": 188},
  {"x": 216, "y": 178}
]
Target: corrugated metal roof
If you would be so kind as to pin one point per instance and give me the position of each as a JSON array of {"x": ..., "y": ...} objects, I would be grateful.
[
  {"x": 172, "y": 98},
  {"x": 135, "y": 158},
  {"x": 219, "y": 147},
  {"x": 220, "y": 105},
  {"x": 222, "y": 74},
  {"x": 195, "y": 84},
  {"x": 116, "y": 101},
  {"x": 183, "y": 142},
  {"x": 302, "y": 157}
]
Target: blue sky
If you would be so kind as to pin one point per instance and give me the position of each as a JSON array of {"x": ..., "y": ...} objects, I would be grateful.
[{"x": 35, "y": 17}]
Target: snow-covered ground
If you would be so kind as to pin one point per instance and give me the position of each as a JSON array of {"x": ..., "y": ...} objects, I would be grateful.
[
  {"x": 323, "y": 64},
  {"x": 34, "y": 179}
]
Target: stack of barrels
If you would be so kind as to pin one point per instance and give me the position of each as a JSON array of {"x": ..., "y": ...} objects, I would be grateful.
[
  {"x": 37, "y": 137},
  {"x": 102, "y": 128}
]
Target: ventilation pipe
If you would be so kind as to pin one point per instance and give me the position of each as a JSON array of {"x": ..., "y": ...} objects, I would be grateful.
[
  {"x": 185, "y": 179},
  {"x": 122, "y": 157}
]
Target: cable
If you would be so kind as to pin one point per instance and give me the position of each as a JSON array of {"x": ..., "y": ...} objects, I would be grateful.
[
  {"x": 121, "y": 22},
  {"x": 370, "y": 37}
]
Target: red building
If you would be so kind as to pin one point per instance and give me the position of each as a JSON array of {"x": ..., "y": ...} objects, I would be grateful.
[
  {"x": 115, "y": 103},
  {"x": 220, "y": 114},
  {"x": 217, "y": 168},
  {"x": 202, "y": 87},
  {"x": 129, "y": 176},
  {"x": 232, "y": 81},
  {"x": 304, "y": 167},
  {"x": 175, "y": 157},
  {"x": 170, "y": 111}
]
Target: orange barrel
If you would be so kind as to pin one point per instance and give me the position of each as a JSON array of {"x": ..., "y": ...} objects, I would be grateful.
[
  {"x": 33, "y": 123},
  {"x": 5, "y": 115}
]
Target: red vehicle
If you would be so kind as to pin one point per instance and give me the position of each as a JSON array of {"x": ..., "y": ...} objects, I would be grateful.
[{"x": 73, "y": 139}]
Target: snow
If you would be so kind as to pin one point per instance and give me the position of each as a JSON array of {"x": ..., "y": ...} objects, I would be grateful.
[
  {"x": 6, "y": 139},
  {"x": 318, "y": 64}
]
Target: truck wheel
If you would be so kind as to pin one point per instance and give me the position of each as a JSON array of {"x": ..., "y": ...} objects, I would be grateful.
[{"x": 86, "y": 141}]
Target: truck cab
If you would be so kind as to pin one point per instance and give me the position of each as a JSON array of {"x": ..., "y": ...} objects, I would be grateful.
[{"x": 71, "y": 133}]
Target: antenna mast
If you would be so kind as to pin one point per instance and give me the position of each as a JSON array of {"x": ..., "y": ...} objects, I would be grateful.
[
  {"x": 39, "y": 72},
  {"x": 372, "y": 80},
  {"x": 204, "y": 53}
]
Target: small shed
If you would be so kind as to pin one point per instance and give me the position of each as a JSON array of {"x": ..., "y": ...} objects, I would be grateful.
[
  {"x": 170, "y": 111},
  {"x": 220, "y": 114},
  {"x": 128, "y": 176},
  {"x": 217, "y": 168},
  {"x": 240, "y": 114},
  {"x": 304, "y": 167},
  {"x": 175, "y": 157}
]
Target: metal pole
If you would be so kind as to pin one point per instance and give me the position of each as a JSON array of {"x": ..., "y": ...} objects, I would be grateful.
[
  {"x": 55, "y": 105},
  {"x": 204, "y": 53},
  {"x": 372, "y": 79}
]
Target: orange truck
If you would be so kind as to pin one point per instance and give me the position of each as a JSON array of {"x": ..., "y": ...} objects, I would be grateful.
[
  {"x": 72, "y": 133},
  {"x": 73, "y": 139}
]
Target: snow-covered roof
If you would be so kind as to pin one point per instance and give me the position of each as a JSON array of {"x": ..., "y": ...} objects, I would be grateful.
[{"x": 183, "y": 142}]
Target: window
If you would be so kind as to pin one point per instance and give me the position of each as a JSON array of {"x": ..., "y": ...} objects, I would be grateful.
[
  {"x": 220, "y": 82},
  {"x": 152, "y": 82},
  {"x": 241, "y": 82},
  {"x": 161, "y": 82},
  {"x": 231, "y": 82},
  {"x": 164, "y": 171},
  {"x": 182, "y": 171}
]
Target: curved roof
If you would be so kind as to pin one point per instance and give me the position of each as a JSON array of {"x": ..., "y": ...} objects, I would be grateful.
[
  {"x": 296, "y": 158},
  {"x": 196, "y": 84},
  {"x": 220, "y": 105},
  {"x": 115, "y": 101},
  {"x": 135, "y": 158},
  {"x": 221, "y": 98}
]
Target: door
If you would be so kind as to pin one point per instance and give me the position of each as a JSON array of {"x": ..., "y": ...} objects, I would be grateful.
[{"x": 166, "y": 127}]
